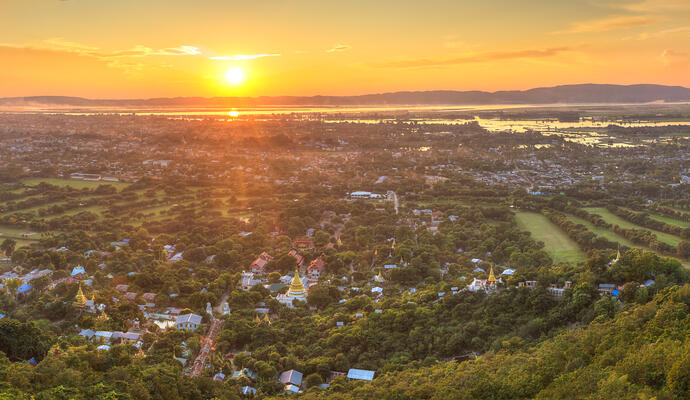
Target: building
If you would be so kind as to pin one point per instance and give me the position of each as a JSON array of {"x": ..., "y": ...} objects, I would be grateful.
[
  {"x": 486, "y": 285},
  {"x": 296, "y": 292},
  {"x": 360, "y": 374},
  {"x": 316, "y": 268},
  {"x": 291, "y": 377},
  {"x": 188, "y": 322},
  {"x": 259, "y": 264}
]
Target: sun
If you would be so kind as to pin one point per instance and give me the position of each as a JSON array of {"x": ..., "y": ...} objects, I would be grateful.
[{"x": 235, "y": 75}]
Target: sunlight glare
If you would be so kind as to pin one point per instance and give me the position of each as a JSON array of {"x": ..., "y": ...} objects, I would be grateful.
[{"x": 235, "y": 75}]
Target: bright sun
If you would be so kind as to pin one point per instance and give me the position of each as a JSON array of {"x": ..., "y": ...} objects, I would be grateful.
[{"x": 234, "y": 75}]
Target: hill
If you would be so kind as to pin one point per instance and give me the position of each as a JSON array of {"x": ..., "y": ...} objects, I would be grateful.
[{"x": 583, "y": 93}]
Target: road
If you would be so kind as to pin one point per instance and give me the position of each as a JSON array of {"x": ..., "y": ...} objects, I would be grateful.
[{"x": 208, "y": 344}]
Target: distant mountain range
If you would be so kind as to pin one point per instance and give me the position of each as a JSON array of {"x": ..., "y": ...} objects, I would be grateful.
[{"x": 585, "y": 93}]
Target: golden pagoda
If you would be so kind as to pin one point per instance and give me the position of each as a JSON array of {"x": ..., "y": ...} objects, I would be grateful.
[
  {"x": 618, "y": 255},
  {"x": 296, "y": 291},
  {"x": 393, "y": 244},
  {"x": 267, "y": 320},
  {"x": 379, "y": 277},
  {"x": 80, "y": 299},
  {"x": 492, "y": 278},
  {"x": 103, "y": 316},
  {"x": 257, "y": 320}
]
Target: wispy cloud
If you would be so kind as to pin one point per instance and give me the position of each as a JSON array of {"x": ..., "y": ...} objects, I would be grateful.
[
  {"x": 610, "y": 23},
  {"x": 338, "y": 48},
  {"x": 657, "y": 5},
  {"x": 60, "y": 44},
  {"x": 474, "y": 58},
  {"x": 240, "y": 57},
  {"x": 681, "y": 30},
  {"x": 669, "y": 56}
]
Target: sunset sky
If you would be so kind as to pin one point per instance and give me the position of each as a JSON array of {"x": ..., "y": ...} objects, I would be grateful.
[{"x": 161, "y": 48}]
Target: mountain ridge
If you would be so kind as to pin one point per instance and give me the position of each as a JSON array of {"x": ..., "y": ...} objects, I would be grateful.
[{"x": 577, "y": 93}]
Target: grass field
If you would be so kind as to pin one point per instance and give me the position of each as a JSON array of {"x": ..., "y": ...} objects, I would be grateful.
[
  {"x": 603, "y": 232},
  {"x": 670, "y": 221},
  {"x": 616, "y": 220},
  {"x": 73, "y": 183},
  {"x": 556, "y": 243}
]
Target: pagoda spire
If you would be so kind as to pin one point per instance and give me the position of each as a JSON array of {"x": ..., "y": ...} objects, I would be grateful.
[
  {"x": 618, "y": 255},
  {"x": 267, "y": 320},
  {"x": 296, "y": 286},
  {"x": 80, "y": 299},
  {"x": 492, "y": 278}
]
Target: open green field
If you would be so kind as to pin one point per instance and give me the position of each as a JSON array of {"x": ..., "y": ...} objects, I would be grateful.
[
  {"x": 556, "y": 243},
  {"x": 670, "y": 221},
  {"x": 603, "y": 232},
  {"x": 77, "y": 184},
  {"x": 616, "y": 220}
]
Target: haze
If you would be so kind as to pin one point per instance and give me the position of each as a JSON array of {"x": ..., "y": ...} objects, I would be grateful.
[{"x": 135, "y": 49}]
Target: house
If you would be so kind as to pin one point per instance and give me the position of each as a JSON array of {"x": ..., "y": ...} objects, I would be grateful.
[
  {"x": 148, "y": 296},
  {"x": 360, "y": 374},
  {"x": 122, "y": 288},
  {"x": 316, "y": 268},
  {"x": 291, "y": 389},
  {"x": 606, "y": 288},
  {"x": 78, "y": 272},
  {"x": 245, "y": 373},
  {"x": 259, "y": 264},
  {"x": 291, "y": 377},
  {"x": 188, "y": 322},
  {"x": 220, "y": 377},
  {"x": 25, "y": 288},
  {"x": 247, "y": 281},
  {"x": 131, "y": 296},
  {"x": 298, "y": 257}
]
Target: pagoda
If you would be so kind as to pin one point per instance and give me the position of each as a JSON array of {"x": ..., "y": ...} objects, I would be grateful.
[
  {"x": 296, "y": 291},
  {"x": 80, "y": 299},
  {"x": 492, "y": 278}
]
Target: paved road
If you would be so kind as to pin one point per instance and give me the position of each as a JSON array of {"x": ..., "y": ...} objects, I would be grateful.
[{"x": 208, "y": 344}]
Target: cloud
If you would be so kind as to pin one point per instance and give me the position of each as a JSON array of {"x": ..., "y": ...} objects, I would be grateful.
[
  {"x": 475, "y": 58},
  {"x": 663, "y": 33},
  {"x": 240, "y": 57},
  {"x": 62, "y": 45},
  {"x": 607, "y": 24},
  {"x": 657, "y": 5},
  {"x": 669, "y": 56},
  {"x": 338, "y": 48}
]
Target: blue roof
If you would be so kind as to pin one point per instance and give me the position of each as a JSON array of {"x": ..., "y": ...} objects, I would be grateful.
[
  {"x": 23, "y": 288},
  {"x": 615, "y": 293},
  {"x": 361, "y": 374}
]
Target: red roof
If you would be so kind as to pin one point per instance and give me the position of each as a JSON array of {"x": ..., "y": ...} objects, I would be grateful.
[{"x": 317, "y": 264}]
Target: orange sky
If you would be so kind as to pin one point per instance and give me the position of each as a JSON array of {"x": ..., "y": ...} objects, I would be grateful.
[{"x": 161, "y": 48}]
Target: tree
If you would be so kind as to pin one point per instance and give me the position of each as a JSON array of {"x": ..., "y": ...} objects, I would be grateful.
[
  {"x": 7, "y": 246},
  {"x": 313, "y": 380}
]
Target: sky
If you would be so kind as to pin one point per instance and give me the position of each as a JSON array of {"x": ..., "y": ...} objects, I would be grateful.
[{"x": 167, "y": 48}]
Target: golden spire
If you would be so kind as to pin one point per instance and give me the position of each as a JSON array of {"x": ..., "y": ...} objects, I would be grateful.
[
  {"x": 618, "y": 255},
  {"x": 296, "y": 285},
  {"x": 492, "y": 278},
  {"x": 256, "y": 319},
  {"x": 266, "y": 319},
  {"x": 80, "y": 299},
  {"x": 393, "y": 244},
  {"x": 140, "y": 353},
  {"x": 103, "y": 316},
  {"x": 380, "y": 277},
  {"x": 340, "y": 242}
]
